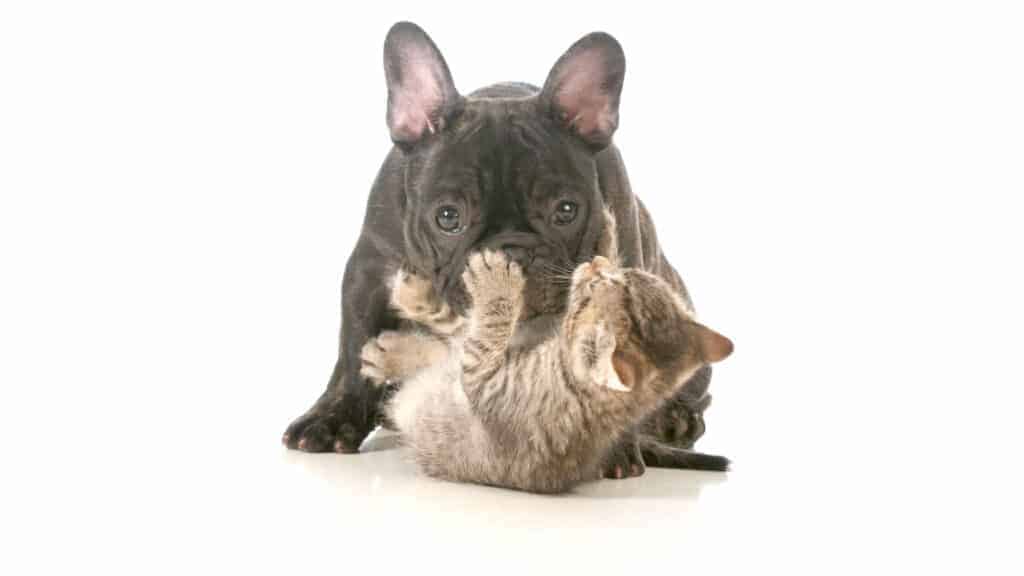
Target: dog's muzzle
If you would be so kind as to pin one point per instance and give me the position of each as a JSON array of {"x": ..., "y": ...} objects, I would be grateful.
[{"x": 522, "y": 248}]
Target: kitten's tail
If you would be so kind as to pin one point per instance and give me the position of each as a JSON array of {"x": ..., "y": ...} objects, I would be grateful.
[{"x": 659, "y": 455}]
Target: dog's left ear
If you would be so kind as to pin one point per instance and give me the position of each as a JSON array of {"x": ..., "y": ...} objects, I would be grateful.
[
  {"x": 582, "y": 90},
  {"x": 421, "y": 94}
]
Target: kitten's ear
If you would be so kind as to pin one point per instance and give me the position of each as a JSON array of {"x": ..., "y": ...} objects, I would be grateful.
[
  {"x": 624, "y": 372},
  {"x": 714, "y": 346},
  {"x": 608, "y": 243},
  {"x": 582, "y": 90},
  {"x": 614, "y": 382},
  {"x": 421, "y": 94}
]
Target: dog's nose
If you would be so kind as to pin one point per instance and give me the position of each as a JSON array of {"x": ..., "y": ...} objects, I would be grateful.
[
  {"x": 520, "y": 247},
  {"x": 516, "y": 253}
]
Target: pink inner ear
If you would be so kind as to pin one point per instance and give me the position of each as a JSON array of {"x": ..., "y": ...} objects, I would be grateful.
[
  {"x": 409, "y": 120},
  {"x": 625, "y": 369},
  {"x": 582, "y": 98},
  {"x": 418, "y": 98},
  {"x": 716, "y": 346}
]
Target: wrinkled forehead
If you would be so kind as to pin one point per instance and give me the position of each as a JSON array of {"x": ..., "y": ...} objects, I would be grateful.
[{"x": 504, "y": 145}]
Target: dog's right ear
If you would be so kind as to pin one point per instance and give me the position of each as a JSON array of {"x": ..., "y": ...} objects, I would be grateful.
[{"x": 421, "y": 94}]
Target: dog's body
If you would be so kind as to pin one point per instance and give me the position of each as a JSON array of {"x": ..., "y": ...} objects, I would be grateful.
[{"x": 514, "y": 167}]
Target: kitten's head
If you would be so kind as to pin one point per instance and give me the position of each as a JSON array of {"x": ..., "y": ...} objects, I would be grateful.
[{"x": 625, "y": 327}]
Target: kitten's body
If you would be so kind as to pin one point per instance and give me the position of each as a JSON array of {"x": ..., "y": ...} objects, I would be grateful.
[{"x": 540, "y": 418}]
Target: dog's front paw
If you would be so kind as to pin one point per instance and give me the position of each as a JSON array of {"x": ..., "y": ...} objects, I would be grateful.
[
  {"x": 491, "y": 277},
  {"x": 338, "y": 423},
  {"x": 680, "y": 422}
]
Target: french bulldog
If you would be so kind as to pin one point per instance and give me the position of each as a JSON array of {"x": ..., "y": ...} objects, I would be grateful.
[{"x": 512, "y": 167}]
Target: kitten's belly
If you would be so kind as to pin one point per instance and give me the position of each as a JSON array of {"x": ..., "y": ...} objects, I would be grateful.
[{"x": 433, "y": 393}]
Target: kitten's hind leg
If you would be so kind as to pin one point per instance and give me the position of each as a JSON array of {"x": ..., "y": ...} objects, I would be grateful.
[
  {"x": 658, "y": 455},
  {"x": 395, "y": 356}
]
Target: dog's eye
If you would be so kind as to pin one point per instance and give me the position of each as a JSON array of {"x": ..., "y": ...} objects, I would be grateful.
[
  {"x": 448, "y": 219},
  {"x": 565, "y": 212}
]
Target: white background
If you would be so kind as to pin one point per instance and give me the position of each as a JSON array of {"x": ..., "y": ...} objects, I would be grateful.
[{"x": 181, "y": 184}]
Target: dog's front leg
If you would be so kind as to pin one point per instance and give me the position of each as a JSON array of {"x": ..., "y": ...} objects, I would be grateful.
[{"x": 346, "y": 412}]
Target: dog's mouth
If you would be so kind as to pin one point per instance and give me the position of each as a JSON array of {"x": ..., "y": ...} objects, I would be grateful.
[
  {"x": 546, "y": 290},
  {"x": 547, "y": 269}
]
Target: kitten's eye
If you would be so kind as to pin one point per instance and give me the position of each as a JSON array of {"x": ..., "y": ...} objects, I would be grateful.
[
  {"x": 448, "y": 219},
  {"x": 565, "y": 212}
]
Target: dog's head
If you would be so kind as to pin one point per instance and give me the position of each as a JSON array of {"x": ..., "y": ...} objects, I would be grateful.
[{"x": 509, "y": 167}]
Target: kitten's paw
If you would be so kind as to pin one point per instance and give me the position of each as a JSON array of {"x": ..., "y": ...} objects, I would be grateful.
[
  {"x": 490, "y": 276},
  {"x": 380, "y": 358},
  {"x": 624, "y": 461},
  {"x": 414, "y": 296},
  {"x": 394, "y": 356}
]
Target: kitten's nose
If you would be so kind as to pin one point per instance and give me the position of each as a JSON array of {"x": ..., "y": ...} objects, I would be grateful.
[
  {"x": 595, "y": 267},
  {"x": 600, "y": 264}
]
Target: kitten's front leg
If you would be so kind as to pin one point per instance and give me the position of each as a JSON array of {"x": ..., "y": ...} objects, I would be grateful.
[
  {"x": 394, "y": 357},
  {"x": 495, "y": 286},
  {"x": 414, "y": 298}
]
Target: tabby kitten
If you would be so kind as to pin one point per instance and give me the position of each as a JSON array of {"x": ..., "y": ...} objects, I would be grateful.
[{"x": 539, "y": 419}]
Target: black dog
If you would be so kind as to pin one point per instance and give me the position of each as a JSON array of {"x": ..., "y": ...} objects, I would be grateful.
[{"x": 510, "y": 166}]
